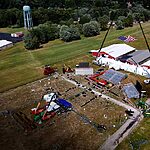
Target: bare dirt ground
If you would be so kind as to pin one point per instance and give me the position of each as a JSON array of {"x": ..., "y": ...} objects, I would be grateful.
[{"x": 66, "y": 131}]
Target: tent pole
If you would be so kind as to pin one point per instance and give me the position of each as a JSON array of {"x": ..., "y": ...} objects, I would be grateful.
[
  {"x": 104, "y": 38},
  {"x": 144, "y": 36}
]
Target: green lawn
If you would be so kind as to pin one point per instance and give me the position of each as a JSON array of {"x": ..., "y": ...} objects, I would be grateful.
[
  {"x": 139, "y": 139},
  {"x": 19, "y": 66}
]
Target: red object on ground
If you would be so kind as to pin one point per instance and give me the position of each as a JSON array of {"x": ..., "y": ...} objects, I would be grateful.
[
  {"x": 38, "y": 111},
  {"x": 48, "y": 116},
  {"x": 99, "y": 81},
  {"x": 48, "y": 70}
]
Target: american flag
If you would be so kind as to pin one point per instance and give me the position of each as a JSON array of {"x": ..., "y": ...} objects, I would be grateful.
[{"x": 127, "y": 39}]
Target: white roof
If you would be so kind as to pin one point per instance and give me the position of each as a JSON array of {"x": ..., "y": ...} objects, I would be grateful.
[
  {"x": 147, "y": 63},
  {"x": 4, "y": 42},
  {"x": 117, "y": 50}
]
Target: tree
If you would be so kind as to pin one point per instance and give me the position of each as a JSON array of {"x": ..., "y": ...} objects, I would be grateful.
[
  {"x": 75, "y": 34},
  {"x": 85, "y": 18},
  {"x": 68, "y": 34},
  {"x": 128, "y": 22},
  {"x": 119, "y": 24},
  {"x": 91, "y": 29},
  {"x": 31, "y": 42},
  {"x": 103, "y": 22}
]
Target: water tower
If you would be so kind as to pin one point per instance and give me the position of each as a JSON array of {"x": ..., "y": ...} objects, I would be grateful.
[{"x": 28, "y": 24}]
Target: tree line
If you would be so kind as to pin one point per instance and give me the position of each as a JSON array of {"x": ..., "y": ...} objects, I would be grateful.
[
  {"x": 70, "y": 3},
  {"x": 69, "y": 19},
  {"x": 58, "y": 11}
]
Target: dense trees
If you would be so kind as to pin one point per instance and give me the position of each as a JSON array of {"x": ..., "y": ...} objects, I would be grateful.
[
  {"x": 67, "y": 19},
  {"x": 63, "y": 10}
]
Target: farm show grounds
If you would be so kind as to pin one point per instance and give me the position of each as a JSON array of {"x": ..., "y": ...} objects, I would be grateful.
[{"x": 75, "y": 129}]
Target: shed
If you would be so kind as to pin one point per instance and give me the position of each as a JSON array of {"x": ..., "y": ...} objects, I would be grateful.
[{"x": 84, "y": 71}]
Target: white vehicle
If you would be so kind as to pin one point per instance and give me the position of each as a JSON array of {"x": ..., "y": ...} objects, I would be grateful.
[
  {"x": 50, "y": 97},
  {"x": 147, "y": 81}
]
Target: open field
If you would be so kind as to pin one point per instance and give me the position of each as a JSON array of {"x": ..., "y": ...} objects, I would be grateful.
[
  {"x": 69, "y": 130},
  {"x": 19, "y": 66}
]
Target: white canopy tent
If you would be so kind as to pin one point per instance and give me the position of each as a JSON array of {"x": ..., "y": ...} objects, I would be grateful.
[{"x": 117, "y": 65}]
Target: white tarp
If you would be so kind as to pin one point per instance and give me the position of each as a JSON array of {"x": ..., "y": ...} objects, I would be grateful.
[
  {"x": 117, "y": 65},
  {"x": 50, "y": 97}
]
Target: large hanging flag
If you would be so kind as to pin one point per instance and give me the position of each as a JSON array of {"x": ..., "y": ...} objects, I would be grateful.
[{"x": 127, "y": 39}]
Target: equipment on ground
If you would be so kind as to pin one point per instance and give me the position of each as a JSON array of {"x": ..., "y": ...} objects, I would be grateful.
[
  {"x": 49, "y": 70},
  {"x": 67, "y": 69},
  {"x": 146, "y": 113},
  {"x": 53, "y": 105},
  {"x": 142, "y": 105},
  {"x": 98, "y": 81}
]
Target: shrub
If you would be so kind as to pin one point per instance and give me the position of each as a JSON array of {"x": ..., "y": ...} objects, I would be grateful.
[{"x": 91, "y": 29}]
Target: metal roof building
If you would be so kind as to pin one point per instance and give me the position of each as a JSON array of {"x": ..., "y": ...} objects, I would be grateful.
[{"x": 137, "y": 57}]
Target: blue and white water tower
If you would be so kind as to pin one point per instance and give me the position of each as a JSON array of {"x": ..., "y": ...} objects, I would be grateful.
[{"x": 28, "y": 24}]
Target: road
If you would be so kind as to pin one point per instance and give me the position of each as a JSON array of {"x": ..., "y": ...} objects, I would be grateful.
[{"x": 112, "y": 142}]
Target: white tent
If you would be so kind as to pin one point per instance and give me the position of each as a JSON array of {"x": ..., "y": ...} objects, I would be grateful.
[
  {"x": 117, "y": 65},
  {"x": 117, "y": 50},
  {"x": 146, "y": 63}
]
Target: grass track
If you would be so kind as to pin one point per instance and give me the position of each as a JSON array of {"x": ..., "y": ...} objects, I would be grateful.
[{"x": 19, "y": 66}]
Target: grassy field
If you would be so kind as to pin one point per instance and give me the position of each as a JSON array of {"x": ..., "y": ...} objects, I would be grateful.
[
  {"x": 19, "y": 66},
  {"x": 139, "y": 139}
]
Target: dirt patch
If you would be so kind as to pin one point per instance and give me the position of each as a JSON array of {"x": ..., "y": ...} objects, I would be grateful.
[{"x": 71, "y": 130}]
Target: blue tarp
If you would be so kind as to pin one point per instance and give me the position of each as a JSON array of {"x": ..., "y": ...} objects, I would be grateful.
[{"x": 64, "y": 103}]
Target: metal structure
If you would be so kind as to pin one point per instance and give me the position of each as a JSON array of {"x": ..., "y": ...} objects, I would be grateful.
[
  {"x": 28, "y": 24},
  {"x": 112, "y": 16}
]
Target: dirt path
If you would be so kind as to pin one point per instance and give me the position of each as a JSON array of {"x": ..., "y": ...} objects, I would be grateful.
[{"x": 112, "y": 142}]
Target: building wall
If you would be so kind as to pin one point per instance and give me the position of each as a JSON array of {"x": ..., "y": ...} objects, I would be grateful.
[{"x": 83, "y": 71}]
